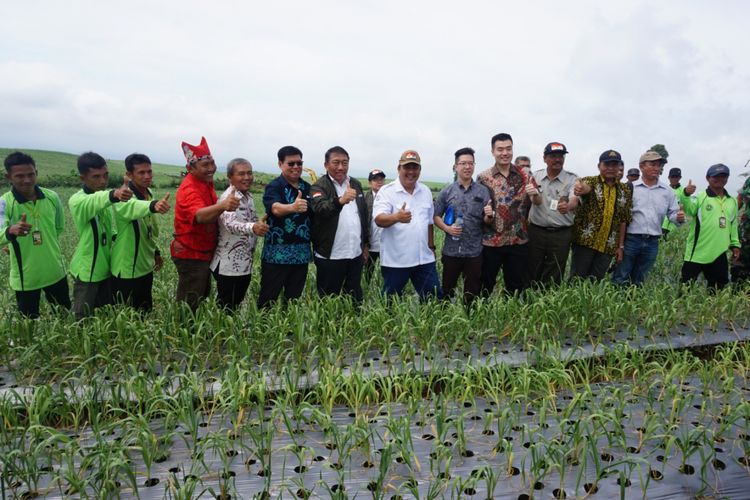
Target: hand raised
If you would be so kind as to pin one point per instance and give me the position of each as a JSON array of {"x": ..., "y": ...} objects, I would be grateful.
[
  {"x": 690, "y": 188},
  {"x": 123, "y": 193},
  {"x": 162, "y": 206},
  {"x": 578, "y": 188},
  {"x": 680, "y": 216},
  {"x": 562, "y": 206},
  {"x": 349, "y": 195},
  {"x": 488, "y": 211},
  {"x": 300, "y": 204},
  {"x": 261, "y": 227},
  {"x": 20, "y": 228},
  {"x": 403, "y": 215},
  {"x": 231, "y": 203},
  {"x": 530, "y": 189}
]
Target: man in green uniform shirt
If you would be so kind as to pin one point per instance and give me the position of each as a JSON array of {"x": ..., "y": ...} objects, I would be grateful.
[
  {"x": 32, "y": 221},
  {"x": 134, "y": 253},
  {"x": 92, "y": 215},
  {"x": 713, "y": 229}
]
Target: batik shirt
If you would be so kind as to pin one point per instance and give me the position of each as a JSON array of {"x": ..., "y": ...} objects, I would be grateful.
[
  {"x": 288, "y": 237},
  {"x": 600, "y": 214},
  {"x": 744, "y": 224},
  {"x": 511, "y": 206}
]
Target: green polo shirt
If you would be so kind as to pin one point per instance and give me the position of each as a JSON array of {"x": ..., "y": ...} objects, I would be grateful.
[
  {"x": 35, "y": 259},
  {"x": 92, "y": 216},
  {"x": 135, "y": 245},
  {"x": 707, "y": 239}
]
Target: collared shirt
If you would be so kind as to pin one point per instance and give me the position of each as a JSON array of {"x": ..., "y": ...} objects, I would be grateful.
[
  {"x": 552, "y": 191},
  {"x": 713, "y": 229},
  {"x": 650, "y": 205},
  {"x": 192, "y": 240},
  {"x": 405, "y": 245},
  {"x": 511, "y": 206},
  {"x": 469, "y": 203},
  {"x": 288, "y": 237},
  {"x": 600, "y": 214},
  {"x": 234, "y": 251},
  {"x": 347, "y": 243},
  {"x": 376, "y": 232},
  {"x": 134, "y": 250},
  {"x": 36, "y": 260}
]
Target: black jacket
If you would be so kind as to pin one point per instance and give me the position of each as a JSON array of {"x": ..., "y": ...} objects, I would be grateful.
[{"x": 326, "y": 207}]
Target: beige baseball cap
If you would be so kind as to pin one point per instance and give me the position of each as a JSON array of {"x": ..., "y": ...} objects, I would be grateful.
[
  {"x": 650, "y": 156},
  {"x": 409, "y": 156}
]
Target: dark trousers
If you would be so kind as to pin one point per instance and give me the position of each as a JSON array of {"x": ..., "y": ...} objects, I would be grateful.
[
  {"x": 589, "y": 263},
  {"x": 716, "y": 272},
  {"x": 56, "y": 293},
  {"x": 275, "y": 277},
  {"x": 231, "y": 290},
  {"x": 335, "y": 276},
  {"x": 193, "y": 281},
  {"x": 135, "y": 292},
  {"x": 423, "y": 277},
  {"x": 88, "y": 296},
  {"x": 513, "y": 260},
  {"x": 370, "y": 265},
  {"x": 548, "y": 253},
  {"x": 470, "y": 267}
]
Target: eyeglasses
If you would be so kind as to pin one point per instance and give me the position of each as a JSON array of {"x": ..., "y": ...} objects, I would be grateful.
[
  {"x": 295, "y": 163},
  {"x": 466, "y": 164}
]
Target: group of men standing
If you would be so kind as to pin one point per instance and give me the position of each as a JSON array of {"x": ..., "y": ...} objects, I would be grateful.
[{"x": 509, "y": 219}]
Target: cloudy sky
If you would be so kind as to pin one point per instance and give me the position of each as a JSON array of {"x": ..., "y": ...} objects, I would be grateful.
[{"x": 378, "y": 77}]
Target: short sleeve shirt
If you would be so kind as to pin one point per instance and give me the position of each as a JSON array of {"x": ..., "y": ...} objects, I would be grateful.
[
  {"x": 552, "y": 190},
  {"x": 470, "y": 203},
  {"x": 405, "y": 245},
  {"x": 288, "y": 237}
]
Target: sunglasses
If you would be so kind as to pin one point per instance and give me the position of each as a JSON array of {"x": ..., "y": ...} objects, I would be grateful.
[{"x": 295, "y": 163}]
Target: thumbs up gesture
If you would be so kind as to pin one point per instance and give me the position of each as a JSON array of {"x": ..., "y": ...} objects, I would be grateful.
[
  {"x": 690, "y": 188},
  {"x": 349, "y": 194},
  {"x": 680, "y": 215},
  {"x": 123, "y": 193},
  {"x": 20, "y": 228},
  {"x": 403, "y": 215},
  {"x": 231, "y": 203},
  {"x": 488, "y": 211},
  {"x": 300, "y": 204},
  {"x": 530, "y": 189},
  {"x": 162, "y": 206},
  {"x": 580, "y": 188},
  {"x": 260, "y": 228}
]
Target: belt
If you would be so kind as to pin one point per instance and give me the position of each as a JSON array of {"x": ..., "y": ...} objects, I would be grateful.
[
  {"x": 551, "y": 229},
  {"x": 643, "y": 236}
]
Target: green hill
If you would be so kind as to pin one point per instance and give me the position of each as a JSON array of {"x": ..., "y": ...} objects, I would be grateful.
[{"x": 59, "y": 169}]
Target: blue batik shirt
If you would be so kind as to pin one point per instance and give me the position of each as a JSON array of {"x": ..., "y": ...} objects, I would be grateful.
[{"x": 288, "y": 238}]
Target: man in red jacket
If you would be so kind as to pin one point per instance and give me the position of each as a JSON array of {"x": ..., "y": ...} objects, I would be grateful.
[{"x": 195, "y": 228}]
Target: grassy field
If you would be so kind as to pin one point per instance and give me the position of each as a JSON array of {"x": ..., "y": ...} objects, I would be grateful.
[{"x": 393, "y": 399}]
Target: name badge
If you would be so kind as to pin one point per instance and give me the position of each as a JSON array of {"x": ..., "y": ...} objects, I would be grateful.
[
  {"x": 36, "y": 237},
  {"x": 553, "y": 204},
  {"x": 722, "y": 222}
]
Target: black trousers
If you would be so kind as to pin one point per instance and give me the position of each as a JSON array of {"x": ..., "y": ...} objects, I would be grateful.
[
  {"x": 135, "y": 292},
  {"x": 336, "y": 276},
  {"x": 193, "y": 281},
  {"x": 513, "y": 260},
  {"x": 56, "y": 293},
  {"x": 277, "y": 277},
  {"x": 370, "y": 265},
  {"x": 231, "y": 290},
  {"x": 91, "y": 295},
  {"x": 716, "y": 272},
  {"x": 470, "y": 267}
]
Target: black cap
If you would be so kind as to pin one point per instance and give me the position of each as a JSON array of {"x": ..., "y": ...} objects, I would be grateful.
[
  {"x": 376, "y": 173},
  {"x": 718, "y": 169},
  {"x": 610, "y": 155},
  {"x": 634, "y": 171},
  {"x": 555, "y": 147},
  {"x": 675, "y": 172}
]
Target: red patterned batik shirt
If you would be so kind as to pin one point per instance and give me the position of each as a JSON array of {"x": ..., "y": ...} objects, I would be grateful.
[{"x": 511, "y": 206}]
